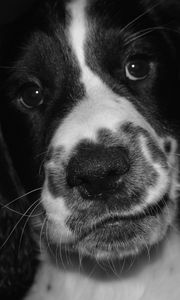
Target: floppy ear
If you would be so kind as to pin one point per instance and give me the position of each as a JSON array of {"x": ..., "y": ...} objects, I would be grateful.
[
  {"x": 17, "y": 262},
  {"x": 14, "y": 125}
]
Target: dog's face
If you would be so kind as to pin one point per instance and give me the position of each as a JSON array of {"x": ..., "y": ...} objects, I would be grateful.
[{"x": 97, "y": 81}]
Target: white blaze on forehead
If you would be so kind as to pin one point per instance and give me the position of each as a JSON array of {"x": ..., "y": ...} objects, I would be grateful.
[
  {"x": 77, "y": 29},
  {"x": 77, "y": 34}
]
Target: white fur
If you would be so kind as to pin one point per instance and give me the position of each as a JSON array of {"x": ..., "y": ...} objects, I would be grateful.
[
  {"x": 162, "y": 186},
  {"x": 57, "y": 212},
  {"x": 157, "y": 280}
]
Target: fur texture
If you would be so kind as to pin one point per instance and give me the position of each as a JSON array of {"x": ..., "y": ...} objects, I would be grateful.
[{"x": 96, "y": 86}]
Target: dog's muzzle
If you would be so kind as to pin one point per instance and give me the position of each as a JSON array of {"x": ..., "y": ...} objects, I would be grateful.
[{"x": 112, "y": 195}]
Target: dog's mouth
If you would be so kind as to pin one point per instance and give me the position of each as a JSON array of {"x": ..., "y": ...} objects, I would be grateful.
[
  {"x": 120, "y": 235},
  {"x": 113, "y": 220}
]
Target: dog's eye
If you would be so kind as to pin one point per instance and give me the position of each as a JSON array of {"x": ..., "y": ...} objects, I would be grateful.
[
  {"x": 137, "y": 69},
  {"x": 31, "y": 95}
]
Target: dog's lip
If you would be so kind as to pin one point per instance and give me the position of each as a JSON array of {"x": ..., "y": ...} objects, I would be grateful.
[{"x": 117, "y": 220}]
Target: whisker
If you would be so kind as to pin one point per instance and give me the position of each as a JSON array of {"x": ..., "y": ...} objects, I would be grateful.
[
  {"x": 40, "y": 154},
  {"x": 41, "y": 166},
  {"x": 112, "y": 267},
  {"x": 41, "y": 233},
  {"x": 139, "y": 17},
  {"x": 56, "y": 256},
  {"x": 30, "y": 215},
  {"x": 20, "y": 197},
  {"x": 135, "y": 34},
  {"x": 90, "y": 274},
  {"x": 66, "y": 255},
  {"x": 10, "y": 234},
  {"x": 21, "y": 214},
  {"x": 148, "y": 250},
  {"x": 101, "y": 266},
  {"x": 60, "y": 254},
  {"x": 47, "y": 238},
  {"x": 139, "y": 36},
  {"x": 123, "y": 265},
  {"x": 133, "y": 259},
  {"x": 172, "y": 167}
]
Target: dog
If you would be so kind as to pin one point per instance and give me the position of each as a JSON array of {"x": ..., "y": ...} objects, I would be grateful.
[{"x": 97, "y": 83}]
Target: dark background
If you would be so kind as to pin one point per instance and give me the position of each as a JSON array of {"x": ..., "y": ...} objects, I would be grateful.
[
  {"x": 17, "y": 261},
  {"x": 10, "y": 9}
]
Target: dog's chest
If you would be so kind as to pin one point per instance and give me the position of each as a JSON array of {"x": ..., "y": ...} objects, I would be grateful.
[{"x": 157, "y": 280}]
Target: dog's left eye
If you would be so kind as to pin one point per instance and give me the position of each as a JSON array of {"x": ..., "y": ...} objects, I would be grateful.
[
  {"x": 137, "y": 69},
  {"x": 31, "y": 95}
]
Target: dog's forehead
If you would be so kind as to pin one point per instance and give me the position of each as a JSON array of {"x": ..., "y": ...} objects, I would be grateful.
[
  {"x": 98, "y": 28},
  {"x": 85, "y": 23},
  {"x": 78, "y": 34},
  {"x": 77, "y": 29},
  {"x": 89, "y": 18},
  {"x": 111, "y": 13}
]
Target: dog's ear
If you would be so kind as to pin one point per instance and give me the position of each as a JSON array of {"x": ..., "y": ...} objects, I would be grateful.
[{"x": 14, "y": 127}]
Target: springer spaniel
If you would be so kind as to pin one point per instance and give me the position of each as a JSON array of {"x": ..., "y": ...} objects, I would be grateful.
[{"x": 98, "y": 83}]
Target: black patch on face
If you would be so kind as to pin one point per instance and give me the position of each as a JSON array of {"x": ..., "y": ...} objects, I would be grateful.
[
  {"x": 116, "y": 14},
  {"x": 115, "y": 37}
]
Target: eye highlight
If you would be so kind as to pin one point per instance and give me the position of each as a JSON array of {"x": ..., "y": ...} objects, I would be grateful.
[
  {"x": 138, "y": 69},
  {"x": 31, "y": 95}
]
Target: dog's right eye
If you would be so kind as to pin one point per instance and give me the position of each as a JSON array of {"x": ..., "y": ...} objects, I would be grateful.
[
  {"x": 31, "y": 95},
  {"x": 137, "y": 69}
]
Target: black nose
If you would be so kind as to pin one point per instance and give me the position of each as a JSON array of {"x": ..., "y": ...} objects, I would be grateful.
[{"x": 97, "y": 170}]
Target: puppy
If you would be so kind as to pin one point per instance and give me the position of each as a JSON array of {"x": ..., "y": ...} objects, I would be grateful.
[{"x": 98, "y": 84}]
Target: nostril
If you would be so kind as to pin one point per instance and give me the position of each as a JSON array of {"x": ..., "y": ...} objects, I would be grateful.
[
  {"x": 118, "y": 169},
  {"x": 75, "y": 179},
  {"x": 80, "y": 181},
  {"x": 97, "y": 169}
]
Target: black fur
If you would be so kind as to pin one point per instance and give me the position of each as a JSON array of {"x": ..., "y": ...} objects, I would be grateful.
[
  {"x": 18, "y": 262},
  {"x": 35, "y": 47}
]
